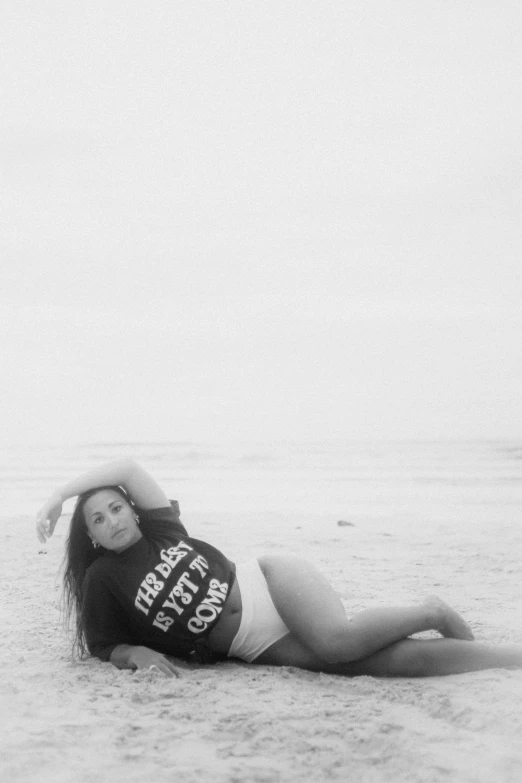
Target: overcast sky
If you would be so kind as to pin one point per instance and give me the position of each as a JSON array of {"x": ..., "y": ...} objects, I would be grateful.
[{"x": 260, "y": 220}]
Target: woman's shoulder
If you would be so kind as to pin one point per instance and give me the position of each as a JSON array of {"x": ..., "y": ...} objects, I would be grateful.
[
  {"x": 168, "y": 516},
  {"x": 97, "y": 569}
]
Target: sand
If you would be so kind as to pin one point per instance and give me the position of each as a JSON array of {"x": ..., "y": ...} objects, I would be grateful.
[{"x": 87, "y": 721}]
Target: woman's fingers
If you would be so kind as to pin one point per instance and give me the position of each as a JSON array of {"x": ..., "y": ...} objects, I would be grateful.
[
  {"x": 165, "y": 668},
  {"x": 47, "y": 517},
  {"x": 42, "y": 530},
  {"x": 160, "y": 663},
  {"x": 170, "y": 670}
]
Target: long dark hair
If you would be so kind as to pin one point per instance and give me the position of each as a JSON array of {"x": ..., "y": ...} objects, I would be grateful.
[{"x": 79, "y": 555}]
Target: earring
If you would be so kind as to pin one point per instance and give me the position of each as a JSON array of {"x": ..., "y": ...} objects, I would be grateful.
[
  {"x": 94, "y": 543},
  {"x": 137, "y": 519}
]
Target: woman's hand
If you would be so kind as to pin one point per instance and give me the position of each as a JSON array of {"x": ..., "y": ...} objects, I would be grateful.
[
  {"x": 48, "y": 516},
  {"x": 144, "y": 658}
]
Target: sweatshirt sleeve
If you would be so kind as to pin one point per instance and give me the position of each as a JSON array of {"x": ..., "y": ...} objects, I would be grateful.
[
  {"x": 103, "y": 622},
  {"x": 167, "y": 518}
]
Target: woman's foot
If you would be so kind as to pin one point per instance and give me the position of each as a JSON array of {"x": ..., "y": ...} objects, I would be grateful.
[{"x": 448, "y": 622}]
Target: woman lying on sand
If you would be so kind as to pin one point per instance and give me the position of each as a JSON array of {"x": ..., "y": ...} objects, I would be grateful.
[{"x": 142, "y": 590}]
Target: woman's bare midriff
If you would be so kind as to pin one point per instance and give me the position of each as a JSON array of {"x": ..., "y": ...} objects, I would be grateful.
[{"x": 221, "y": 636}]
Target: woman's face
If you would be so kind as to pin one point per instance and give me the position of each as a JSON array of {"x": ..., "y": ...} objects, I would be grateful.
[{"x": 111, "y": 521}]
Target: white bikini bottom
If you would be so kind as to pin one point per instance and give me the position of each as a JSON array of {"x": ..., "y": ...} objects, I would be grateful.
[{"x": 260, "y": 625}]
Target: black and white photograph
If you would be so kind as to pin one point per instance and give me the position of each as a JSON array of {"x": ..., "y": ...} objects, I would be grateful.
[{"x": 261, "y": 391}]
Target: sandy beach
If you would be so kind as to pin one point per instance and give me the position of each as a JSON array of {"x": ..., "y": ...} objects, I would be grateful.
[{"x": 87, "y": 721}]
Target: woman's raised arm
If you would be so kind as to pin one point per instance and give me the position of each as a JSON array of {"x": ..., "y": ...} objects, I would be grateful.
[{"x": 141, "y": 487}]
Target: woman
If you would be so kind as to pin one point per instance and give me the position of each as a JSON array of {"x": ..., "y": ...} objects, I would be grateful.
[{"x": 143, "y": 590}]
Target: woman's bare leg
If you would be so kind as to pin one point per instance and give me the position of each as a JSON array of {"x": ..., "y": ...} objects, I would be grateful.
[
  {"x": 315, "y": 615},
  {"x": 437, "y": 657},
  {"x": 405, "y": 658}
]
